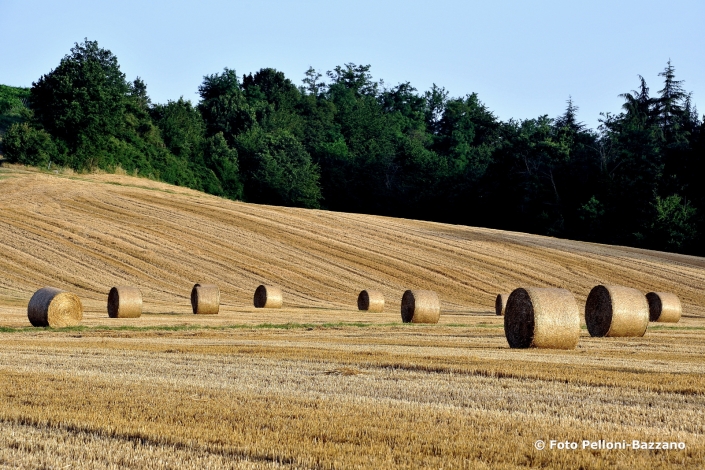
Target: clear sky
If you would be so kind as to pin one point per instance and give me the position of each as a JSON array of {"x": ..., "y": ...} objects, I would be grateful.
[{"x": 523, "y": 58}]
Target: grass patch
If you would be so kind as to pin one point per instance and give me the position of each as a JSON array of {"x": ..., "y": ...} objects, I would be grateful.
[
  {"x": 676, "y": 328},
  {"x": 476, "y": 325},
  {"x": 7, "y": 329},
  {"x": 235, "y": 326}
]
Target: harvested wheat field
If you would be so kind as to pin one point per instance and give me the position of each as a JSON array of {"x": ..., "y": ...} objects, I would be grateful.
[{"x": 318, "y": 383}]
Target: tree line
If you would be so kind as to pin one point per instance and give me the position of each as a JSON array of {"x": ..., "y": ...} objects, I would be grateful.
[{"x": 347, "y": 142}]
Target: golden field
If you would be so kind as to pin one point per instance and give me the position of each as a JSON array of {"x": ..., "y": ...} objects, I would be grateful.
[{"x": 318, "y": 384}]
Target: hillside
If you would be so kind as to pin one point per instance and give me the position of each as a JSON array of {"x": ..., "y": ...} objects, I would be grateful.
[
  {"x": 318, "y": 384},
  {"x": 90, "y": 232}
]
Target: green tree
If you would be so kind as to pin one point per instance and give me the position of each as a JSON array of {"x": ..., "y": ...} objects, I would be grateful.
[
  {"x": 323, "y": 140},
  {"x": 275, "y": 99},
  {"x": 29, "y": 146},
  {"x": 359, "y": 165},
  {"x": 465, "y": 137},
  {"x": 436, "y": 99},
  {"x": 356, "y": 78},
  {"x": 591, "y": 215},
  {"x": 82, "y": 103},
  {"x": 678, "y": 124},
  {"x": 670, "y": 107},
  {"x": 639, "y": 106},
  {"x": 224, "y": 106},
  {"x": 672, "y": 227},
  {"x": 99, "y": 120},
  {"x": 138, "y": 91},
  {"x": 222, "y": 161},
  {"x": 632, "y": 168},
  {"x": 182, "y": 127},
  {"x": 408, "y": 107},
  {"x": 277, "y": 169},
  {"x": 311, "y": 84},
  {"x": 14, "y": 106}
]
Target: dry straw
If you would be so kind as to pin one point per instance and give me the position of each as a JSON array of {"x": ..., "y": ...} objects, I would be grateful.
[
  {"x": 500, "y": 304},
  {"x": 542, "y": 318},
  {"x": 124, "y": 302},
  {"x": 205, "y": 299},
  {"x": 268, "y": 297},
  {"x": 664, "y": 307},
  {"x": 371, "y": 300},
  {"x": 420, "y": 306},
  {"x": 55, "y": 308},
  {"x": 616, "y": 311}
]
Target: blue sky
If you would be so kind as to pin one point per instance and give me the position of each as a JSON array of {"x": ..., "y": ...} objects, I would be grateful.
[{"x": 523, "y": 58}]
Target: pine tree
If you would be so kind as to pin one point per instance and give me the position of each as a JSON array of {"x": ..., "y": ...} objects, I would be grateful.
[
  {"x": 569, "y": 119},
  {"x": 639, "y": 105},
  {"x": 670, "y": 103}
]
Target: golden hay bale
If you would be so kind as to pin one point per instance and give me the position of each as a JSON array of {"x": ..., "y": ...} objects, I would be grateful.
[
  {"x": 420, "y": 306},
  {"x": 664, "y": 307},
  {"x": 55, "y": 308},
  {"x": 371, "y": 300},
  {"x": 205, "y": 299},
  {"x": 500, "y": 304},
  {"x": 616, "y": 311},
  {"x": 542, "y": 318},
  {"x": 268, "y": 297},
  {"x": 124, "y": 302}
]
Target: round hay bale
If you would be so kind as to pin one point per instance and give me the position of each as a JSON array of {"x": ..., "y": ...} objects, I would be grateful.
[
  {"x": 55, "y": 308},
  {"x": 124, "y": 302},
  {"x": 616, "y": 311},
  {"x": 542, "y": 318},
  {"x": 268, "y": 297},
  {"x": 420, "y": 306},
  {"x": 205, "y": 299},
  {"x": 664, "y": 307},
  {"x": 500, "y": 304},
  {"x": 371, "y": 300}
]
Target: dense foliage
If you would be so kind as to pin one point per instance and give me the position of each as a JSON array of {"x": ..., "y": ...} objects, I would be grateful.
[
  {"x": 13, "y": 106},
  {"x": 349, "y": 143}
]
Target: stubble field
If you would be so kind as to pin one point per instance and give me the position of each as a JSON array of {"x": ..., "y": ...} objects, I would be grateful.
[{"x": 319, "y": 384}]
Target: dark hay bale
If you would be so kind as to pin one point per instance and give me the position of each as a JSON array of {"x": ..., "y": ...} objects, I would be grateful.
[
  {"x": 371, "y": 300},
  {"x": 124, "y": 302},
  {"x": 664, "y": 307},
  {"x": 500, "y": 304},
  {"x": 205, "y": 299},
  {"x": 420, "y": 306},
  {"x": 542, "y": 318},
  {"x": 268, "y": 297},
  {"x": 616, "y": 311},
  {"x": 55, "y": 308}
]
